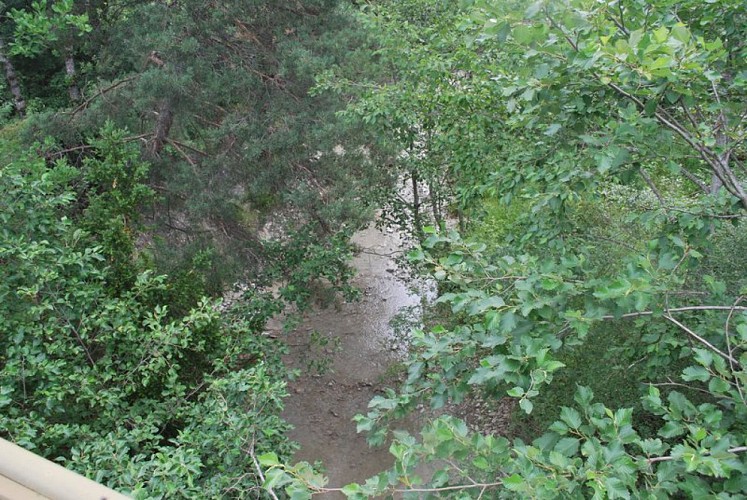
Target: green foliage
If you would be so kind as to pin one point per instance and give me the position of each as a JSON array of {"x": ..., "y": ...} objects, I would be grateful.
[
  {"x": 567, "y": 112},
  {"x": 606, "y": 364},
  {"x": 622, "y": 82},
  {"x": 112, "y": 190},
  {"x": 303, "y": 261},
  {"x": 218, "y": 100},
  {"x": 136, "y": 379},
  {"x": 196, "y": 149},
  {"x": 440, "y": 134},
  {"x": 591, "y": 451},
  {"x": 46, "y": 25},
  {"x": 496, "y": 221},
  {"x": 104, "y": 378},
  {"x": 6, "y": 105},
  {"x": 598, "y": 148}
]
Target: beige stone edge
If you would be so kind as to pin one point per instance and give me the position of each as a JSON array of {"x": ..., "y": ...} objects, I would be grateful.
[{"x": 24, "y": 475}]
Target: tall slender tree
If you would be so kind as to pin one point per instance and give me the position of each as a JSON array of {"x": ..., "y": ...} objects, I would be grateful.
[{"x": 19, "y": 103}]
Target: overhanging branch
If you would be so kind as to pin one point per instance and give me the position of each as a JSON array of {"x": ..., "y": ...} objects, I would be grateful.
[{"x": 703, "y": 341}]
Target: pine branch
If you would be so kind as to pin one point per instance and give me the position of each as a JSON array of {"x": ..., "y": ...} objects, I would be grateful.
[{"x": 98, "y": 94}]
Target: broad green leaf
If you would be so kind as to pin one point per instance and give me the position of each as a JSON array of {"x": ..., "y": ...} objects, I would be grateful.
[
  {"x": 671, "y": 429},
  {"x": 516, "y": 392},
  {"x": 513, "y": 482},
  {"x": 269, "y": 459},
  {"x": 571, "y": 417},
  {"x": 616, "y": 488},
  {"x": 696, "y": 373},
  {"x": 275, "y": 478},
  {"x": 568, "y": 446}
]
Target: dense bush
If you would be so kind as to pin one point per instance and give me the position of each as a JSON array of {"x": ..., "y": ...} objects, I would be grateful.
[{"x": 96, "y": 372}]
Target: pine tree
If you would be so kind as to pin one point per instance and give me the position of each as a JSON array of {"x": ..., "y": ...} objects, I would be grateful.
[{"x": 218, "y": 95}]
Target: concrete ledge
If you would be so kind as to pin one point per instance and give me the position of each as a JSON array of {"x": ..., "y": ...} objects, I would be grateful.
[{"x": 25, "y": 476}]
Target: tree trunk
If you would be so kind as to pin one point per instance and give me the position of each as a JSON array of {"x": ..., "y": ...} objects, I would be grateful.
[
  {"x": 435, "y": 204},
  {"x": 164, "y": 120},
  {"x": 73, "y": 89},
  {"x": 15, "y": 87},
  {"x": 462, "y": 222},
  {"x": 416, "y": 219},
  {"x": 716, "y": 184},
  {"x": 721, "y": 142},
  {"x": 723, "y": 173}
]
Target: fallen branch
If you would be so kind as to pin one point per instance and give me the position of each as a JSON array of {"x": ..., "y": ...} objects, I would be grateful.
[{"x": 390, "y": 254}]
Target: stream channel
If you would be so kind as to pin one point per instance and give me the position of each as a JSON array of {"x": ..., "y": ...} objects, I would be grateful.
[{"x": 321, "y": 405}]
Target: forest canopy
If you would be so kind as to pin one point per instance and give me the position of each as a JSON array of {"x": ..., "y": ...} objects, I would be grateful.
[
  {"x": 154, "y": 154},
  {"x": 578, "y": 189},
  {"x": 592, "y": 154}
]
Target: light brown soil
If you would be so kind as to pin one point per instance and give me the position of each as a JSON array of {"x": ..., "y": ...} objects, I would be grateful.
[{"x": 321, "y": 406}]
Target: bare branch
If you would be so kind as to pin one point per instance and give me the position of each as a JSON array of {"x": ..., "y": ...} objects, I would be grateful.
[
  {"x": 684, "y": 386},
  {"x": 257, "y": 467},
  {"x": 703, "y": 341},
  {"x": 738, "y": 449},
  {"x": 187, "y": 146},
  {"x": 604, "y": 238},
  {"x": 622, "y": 18},
  {"x": 729, "y": 348},
  {"x": 690, "y": 117},
  {"x": 84, "y": 147},
  {"x": 711, "y": 216},
  {"x": 181, "y": 151},
  {"x": 653, "y": 187},
  {"x": 620, "y": 23},
  {"x": 101, "y": 92},
  {"x": 461, "y": 487},
  {"x": 679, "y": 309},
  {"x": 693, "y": 178},
  {"x": 83, "y": 345}
]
